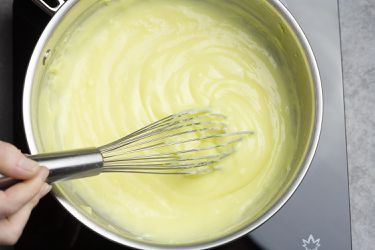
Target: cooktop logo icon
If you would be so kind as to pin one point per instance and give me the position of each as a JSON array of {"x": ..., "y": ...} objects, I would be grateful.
[{"x": 311, "y": 243}]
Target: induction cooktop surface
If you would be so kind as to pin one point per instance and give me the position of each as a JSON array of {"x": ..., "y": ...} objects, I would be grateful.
[{"x": 315, "y": 218}]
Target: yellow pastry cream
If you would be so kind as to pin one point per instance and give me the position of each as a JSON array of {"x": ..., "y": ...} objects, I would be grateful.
[{"x": 131, "y": 63}]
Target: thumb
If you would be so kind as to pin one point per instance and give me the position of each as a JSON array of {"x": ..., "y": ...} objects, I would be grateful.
[{"x": 14, "y": 164}]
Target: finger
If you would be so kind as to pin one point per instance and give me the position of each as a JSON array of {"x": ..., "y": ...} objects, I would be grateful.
[
  {"x": 15, "y": 197},
  {"x": 12, "y": 227},
  {"x": 14, "y": 164}
]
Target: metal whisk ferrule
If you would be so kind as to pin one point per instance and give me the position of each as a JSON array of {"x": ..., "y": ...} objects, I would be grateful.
[{"x": 189, "y": 142}]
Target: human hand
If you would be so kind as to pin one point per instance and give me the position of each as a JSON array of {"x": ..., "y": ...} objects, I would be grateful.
[{"x": 17, "y": 201}]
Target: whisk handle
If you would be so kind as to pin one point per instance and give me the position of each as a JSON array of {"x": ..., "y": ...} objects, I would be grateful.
[{"x": 64, "y": 165}]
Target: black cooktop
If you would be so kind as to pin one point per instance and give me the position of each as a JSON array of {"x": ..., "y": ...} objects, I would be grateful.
[{"x": 315, "y": 218}]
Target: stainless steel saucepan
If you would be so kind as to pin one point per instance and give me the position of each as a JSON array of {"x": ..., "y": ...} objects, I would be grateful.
[{"x": 277, "y": 23}]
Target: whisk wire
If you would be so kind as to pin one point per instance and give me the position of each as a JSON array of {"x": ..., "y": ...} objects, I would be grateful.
[
  {"x": 186, "y": 142},
  {"x": 167, "y": 122}
]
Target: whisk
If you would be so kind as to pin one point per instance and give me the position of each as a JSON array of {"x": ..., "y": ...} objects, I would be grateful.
[{"x": 189, "y": 142}]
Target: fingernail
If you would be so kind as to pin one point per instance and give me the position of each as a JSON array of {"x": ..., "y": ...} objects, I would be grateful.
[
  {"x": 45, "y": 189},
  {"x": 28, "y": 164},
  {"x": 45, "y": 173}
]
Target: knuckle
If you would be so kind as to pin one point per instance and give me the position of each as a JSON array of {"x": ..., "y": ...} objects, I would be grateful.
[
  {"x": 6, "y": 207},
  {"x": 10, "y": 155},
  {"x": 18, "y": 159},
  {"x": 6, "y": 211},
  {"x": 8, "y": 148}
]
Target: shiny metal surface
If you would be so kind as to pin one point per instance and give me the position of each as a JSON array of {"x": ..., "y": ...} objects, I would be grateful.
[
  {"x": 71, "y": 164},
  {"x": 65, "y": 165},
  {"x": 309, "y": 90},
  {"x": 49, "y": 9},
  {"x": 320, "y": 206}
]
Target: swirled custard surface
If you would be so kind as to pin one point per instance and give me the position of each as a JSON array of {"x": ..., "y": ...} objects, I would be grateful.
[{"x": 131, "y": 63}]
